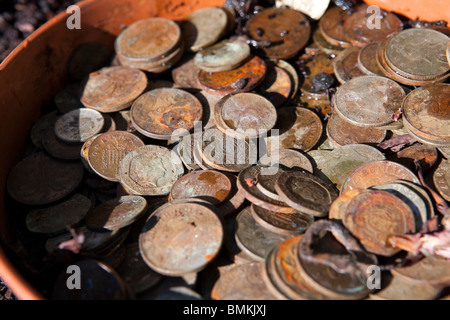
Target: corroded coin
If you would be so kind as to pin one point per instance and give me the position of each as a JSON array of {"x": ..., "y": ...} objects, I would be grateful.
[
  {"x": 277, "y": 86},
  {"x": 286, "y": 224},
  {"x": 341, "y": 132},
  {"x": 375, "y": 216},
  {"x": 208, "y": 185},
  {"x": 245, "y": 115},
  {"x": 299, "y": 128},
  {"x": 185, "y": 150},
  {"x": 375, "y": 173},
  {"x": 331, "y": 25},
  {"x": 56, "y": 219},
  {"x": 59, "y": 149},
  {"x": 346, "y": 65},
  {"x": 317, "y": 65},
  {"x": 322, "y": 107},
  {"x": 286, "y": 159},
  {"x": 324, "y": 45},
  {"x": 181, "y": 238},
  {"x": 161, "y": 112},
  {"x": 295, "y": 80},
  {"x": 87, "y": 58},
  {"x": 117, "y": 213},
  {"x": 223, "y": 56},
  {"x": 185, "y": 74},
  {"x": 286, "y": 30},
  {"x": 40, "y": 179},
  {"x": 84, "y": 153},
  {"x": 113, "y": 89},
  {"x": 107, "y": 151},
  {"x": 68, "y": 99},
  {"x": 441, "y": 179},
  {"x": 150, "y": 170},
  {"x": 306, "y": 192},
  {"x": 339, "y": 206},
  {"x": 41, "y": 126},
  {"x": 367, "y": 59},
  {"x": 426, "y": 155},
  {"x": 233, "y": 251},
  {"x": 369, "y": 101},
  {"x": 241, "y": 79},
  {"x": 79, "y": 125}
]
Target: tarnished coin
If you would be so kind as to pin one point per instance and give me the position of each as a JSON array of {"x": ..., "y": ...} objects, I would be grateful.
[
  {"x": 445, "y": 152},
  {"x": 266, "y": 184},
  {"x": 277, "y": 86},
  {"x": 40, "y": 179},
  {"x": 361, "y": 31},
  {"x": 233, "y": 251},
  {"x": 161, "y": 112},
  {"x": 286, "y": 159},
  {"x": 204, "y": 27},
  {"x": 79, "y": 125},
  {"x": 375, "y": 216},
  {"x": 369, "y": 101},
  {"x": 339, "y": 206},
  {"x": 295, "y": 81},
  {"x": 113, "y": 89},
  {"x": 209, "y": 185},
  {"x": 68, "y": 99},
  {"x": 235, "y": 201},
  {"x": 367, "y": 59},
  {"x": 117, "y": 213},
  {"x": 150, "y": 170},
  {"x": 346, "y": 65},
  {"x": 441, "y": 179},
  {"x": 56, "y": 219},
  {"x": 185, "y": 150},
  {"x": 185, "y": 74},
  {"x": 253, "y": 238},
  {"x": 426, "y": 155},
  {"x": 423, "y": 193},
  {"x": 87, "y": 58},
  {"x": 306, "y": 192},
  {"x": 317, "y": 66},
  {"x": 59, "y": 149},
  {"x": 331, "y": 25},
  {"x": 324, "y": 45},
  {"x": 341, "y": 132},
  {"x": 223, "y": 56},
  {"x": 321, "y": 107},
  {"x": 181, "y": 238},
  {"x": 241, "y": 79},
  {"x": 84, "y": 153},
  {"x": 41, "y": 126},
  {"x": 107, "y": 151},
  {"x": 418, "y": 53},
  {"x": 287, "y": 31},
  {"x": 245, "y": 115},
  {"x": 375, "y": 173},
  {"x": 448, "y": 53},
  {"x": 299, "y": 128},
  {"x": 282, "y": 223}
]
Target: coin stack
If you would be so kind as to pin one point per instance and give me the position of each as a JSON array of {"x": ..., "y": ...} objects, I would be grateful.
[{"x": 227, "y": 158}]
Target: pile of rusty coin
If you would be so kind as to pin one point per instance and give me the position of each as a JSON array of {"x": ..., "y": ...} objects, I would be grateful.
[{"x": 286, "y": 158}]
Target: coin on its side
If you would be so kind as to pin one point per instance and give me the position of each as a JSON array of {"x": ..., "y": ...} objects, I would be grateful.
[
  {"x": 277, "y": 86},
  {"x": 223, "y": 56},
  {"x": 441, "y": 179},
  {"x": 367, "y": 59},
  {"x": 79, "y": 125},
  {"x": 286, "y": 159},
  {"x": 331, "y": 25}
]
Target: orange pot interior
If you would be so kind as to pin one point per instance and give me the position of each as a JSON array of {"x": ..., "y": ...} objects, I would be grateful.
[{"x": 36, "y": 71}]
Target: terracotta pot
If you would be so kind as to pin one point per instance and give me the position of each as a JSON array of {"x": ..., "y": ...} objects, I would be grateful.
[{"x": 36, "y": 70}]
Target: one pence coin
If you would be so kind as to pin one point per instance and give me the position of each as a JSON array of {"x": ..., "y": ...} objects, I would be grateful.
[
  {"x": 441, "y": 179},
  {"x": 79, "y": 125},
  {"x": 223, "y": 56},
  {"x": 161, "y": 112},
  {"x": 150, "y": 170},
  {"x": 40, "y": 179},
  {"x": 113, "y": 89},
  {"x": 306, "y": 192},
  {"x": 107, "y": 151},
  {"x": 181, "y": 238},
  {"x": 346, "y": 65}
]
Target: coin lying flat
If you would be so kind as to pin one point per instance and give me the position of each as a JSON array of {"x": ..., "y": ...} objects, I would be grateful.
[
  {"x": 40, "y": 127},
  {"x": 40, "y": 179},
  {"x": 161, "y": 112},
  {"x": 53, "y": 220},
  {"x": 441, "y": 179},
  {"x": 331, "y": 25},
  {"x": 185, "y": 74},
  {"x": 346, "y": 65},
  {"x": 150, "y": 170},
  {"x": 79, "y": 125},
  {"x": 113, "y": 89},
  {"x": 59, "y": 149},
  {"x": 223, "y": 56},
  {"x": 181, "y": 238}
]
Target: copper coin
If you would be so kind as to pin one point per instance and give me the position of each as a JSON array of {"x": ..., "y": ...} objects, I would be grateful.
[
  {"x": 185, "y": 150},
  {"x": 346, "y": 65},
  {"x": 398, "y": 289},
  {"x": 286, "y": 30},
  {"x": 375, "y": 173},
  {"x": 235, "y": 201},
  {"x": 161, "y": 65},
  {"x": 445, "y": 152},
  {"x": 123, "y": 121},
  {"x": 55, "y": 219},
  {"x": 107, "y": 151},
  {"x": 426, "y": 112},
  {"x": 369, "y": 101},
  {"x": 209, "y": 101},
  {"x": 181, "y": 238},
  {"x": 374, "y": 216},
  {"x": 422, "y": 193},
  {"x": 84, "y": 153},
  {"x": 277, "y": 86},
  {"x": 79, "y": 125},
  {"x": 148, "y": 40},
  {"x": 185, "y": 74},
  {"x": 161, "y": 112},
  {"x": 233, "y": 251},
  {"x": 411, "y": 57},
  {"x": 40, "y": 127},
  {"x": 40, "y": 179},
  {"x": 87, "y": 58},
  {"x": 360, "y": 31},
  {"x": 241, "y": 79},
  {"x": 321, "y": 107},
  {"x": 59, "y": 149},
  {"x": 299, "y": 128},
  {"x": 319, "y": 63},
  {"x": 247, "y": 185},
  {"x": 245, "y": 115},
  {"x": 306, "y": 192},
  {"x": 324, "y": 45},
  {"x": 266, "y": 184},
  {"x": 212, "y": 186},
  {"x": 428, "y": 271},
  {"x": 427, "y": 156},
  {"x": 225, "y": 152},
  {"x": 117, "y": 213},
  {"x": 286, "y": 159},
  {"x": 223, "y": 56},
  {"x": 204, "y": 27},
  {"x": 448, "y": 53},
  {"x": 281, "y": 223},
  {"x": 341, "y": 132},
  {"x": 150, "y": 170},
  {"x": 331, "y": 25},
  {"x": 339, "y": 206},
  {"x": 367, "y": 59},
  {"x": 441, "y": 179},
  {"x": 113, "y": 89}
]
